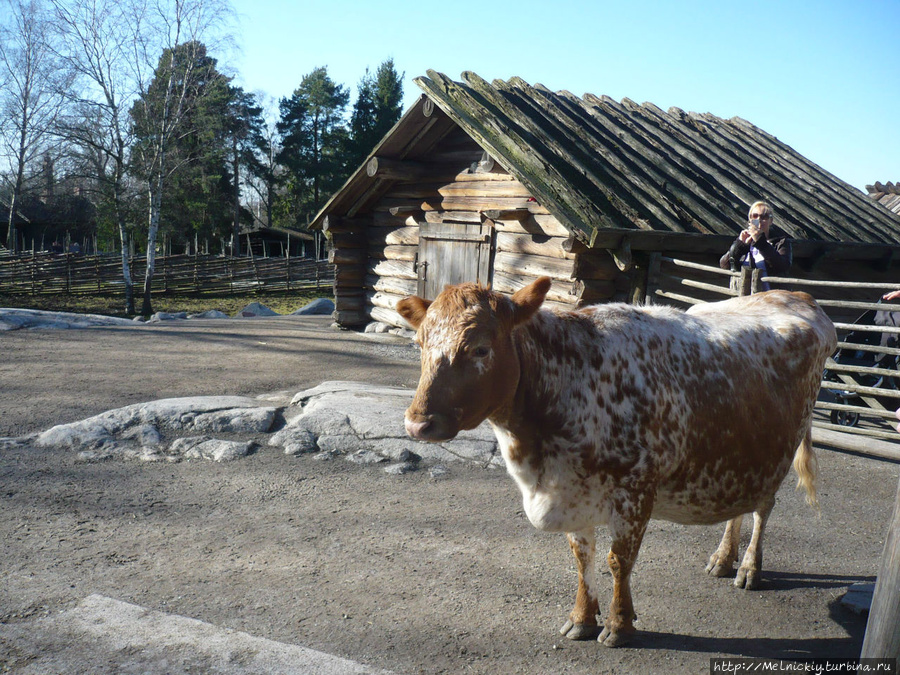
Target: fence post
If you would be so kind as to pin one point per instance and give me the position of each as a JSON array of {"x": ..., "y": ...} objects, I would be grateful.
[
  {"x": 745, "y": 283},
  {"x": 287, "y": 266},
  {"x": 882, "y": 639},
  {"x": 755, "y": 283}
]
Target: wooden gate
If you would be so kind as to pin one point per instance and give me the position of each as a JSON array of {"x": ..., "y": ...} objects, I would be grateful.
[{"x": 453, "y": 253}]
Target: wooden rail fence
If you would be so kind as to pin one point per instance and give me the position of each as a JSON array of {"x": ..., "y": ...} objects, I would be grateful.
[
  {"x": 46, "y": 274},
  {"x": 849, "y": 402}
]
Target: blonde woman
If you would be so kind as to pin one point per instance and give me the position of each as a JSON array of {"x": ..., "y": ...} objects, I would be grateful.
[{"x": 756, "y": 245}]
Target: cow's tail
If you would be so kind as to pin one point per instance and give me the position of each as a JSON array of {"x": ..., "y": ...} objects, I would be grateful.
[{"x": 806, "y": 465}]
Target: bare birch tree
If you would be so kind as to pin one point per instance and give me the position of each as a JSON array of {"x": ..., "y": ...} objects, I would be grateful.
[
  {"x": 166, "y": 99},
  {"x": 97, "y": 43},
  {"x": 32, "y": 90}
]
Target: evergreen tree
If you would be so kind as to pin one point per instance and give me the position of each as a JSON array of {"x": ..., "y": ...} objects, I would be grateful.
[
  {"x": 363, "y": 134},
  {"x": 245, "y": 129},
  {"x": 388, "y": 97},
  {"x": 377, "y": 109},
  {"x": 196, "y": 201},
  {"x": 166, "y": 114},
  {"x": 313, "y": 141}
]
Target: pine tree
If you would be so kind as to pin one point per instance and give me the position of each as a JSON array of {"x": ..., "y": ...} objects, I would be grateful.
[
  {"x": 313, "y": 141},
  {"x": 388, "y": 97},
  {"x": 377, "y": 109}
]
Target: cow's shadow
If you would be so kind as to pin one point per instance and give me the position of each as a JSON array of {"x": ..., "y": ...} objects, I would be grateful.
[{"x": 776, "y": 648}]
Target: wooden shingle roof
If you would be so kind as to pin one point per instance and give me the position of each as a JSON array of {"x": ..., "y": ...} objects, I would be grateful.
[
  {"x": 607, "y": 169},
  {"x": 887, "y": 195},
  {"x": 598, "y": 164}
]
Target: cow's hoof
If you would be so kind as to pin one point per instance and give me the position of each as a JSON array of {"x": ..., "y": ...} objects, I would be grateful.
[
  {"x": 719, "y": 569},
  {"x": 579, "y": 631},
  {"x": 618, "y": 638},
  {"x": 747, "y": 579}
]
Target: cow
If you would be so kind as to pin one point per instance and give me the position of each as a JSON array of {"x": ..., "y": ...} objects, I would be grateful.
[{"x": 615, "y": 414}]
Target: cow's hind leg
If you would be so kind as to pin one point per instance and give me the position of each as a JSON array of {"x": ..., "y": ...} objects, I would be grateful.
[
  {"x": 751, "y": 566},
  {"x": 721, "y": 563},
  {"x": 582, "y": 623}
]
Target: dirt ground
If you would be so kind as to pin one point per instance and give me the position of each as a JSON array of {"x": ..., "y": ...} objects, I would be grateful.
[{"x": 406, "y": 573}]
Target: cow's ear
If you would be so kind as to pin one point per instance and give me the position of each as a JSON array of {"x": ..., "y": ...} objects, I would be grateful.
[
  {"x": 413, "y": 309},
  {"x": 528, "y": 300}
]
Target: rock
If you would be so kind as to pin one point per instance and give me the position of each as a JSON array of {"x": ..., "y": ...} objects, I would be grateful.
[
  {"x": 235, "y": 414},
  {"x": 401, "y": 468},
  {"x": 299, "y": 443},
  {"x": 858, "y": 598},
  {"x": 146, "y": 435},
  {"x": 319, "y": 306},
  {"x": 366, "y": 457},
  {"x": 350, "y": 417},
  {"x": 233, "y": 420},
  {"x": 166, "y": 316},
  {"x": 202, "y": 447},
  {"x": 255, "y": 309},
  {"x": 209, "y": 314},
  {"x": 362, "y": 422},
  {"x": 13, "y": 319},
  {"x": 438, "y": 471}
]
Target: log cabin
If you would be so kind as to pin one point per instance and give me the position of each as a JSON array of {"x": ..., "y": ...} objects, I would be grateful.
[{"x": 503, "y": 182}]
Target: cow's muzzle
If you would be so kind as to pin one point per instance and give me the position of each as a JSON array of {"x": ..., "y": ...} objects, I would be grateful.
[{"x": 432, "y": 428}]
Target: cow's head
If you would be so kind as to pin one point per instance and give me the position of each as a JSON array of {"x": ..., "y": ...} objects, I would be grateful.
[{"x": 469, "y": 366}]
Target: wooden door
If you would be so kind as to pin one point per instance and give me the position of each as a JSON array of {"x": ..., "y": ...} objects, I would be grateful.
[{"x": 453, "y": 253}]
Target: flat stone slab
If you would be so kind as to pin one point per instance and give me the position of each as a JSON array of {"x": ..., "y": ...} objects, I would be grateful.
[
  {"x": 362, "y": 423},
  {"x": 858, "y": 598},
  {"x": 352, "y": 416},
  {"x": 141, "y": 640},
  {"x": 14, "y": 319},
  {"x": 138, "y": 431}
]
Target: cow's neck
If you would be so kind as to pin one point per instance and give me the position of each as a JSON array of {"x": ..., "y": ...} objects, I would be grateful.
[{"x": 536, "y": 413}]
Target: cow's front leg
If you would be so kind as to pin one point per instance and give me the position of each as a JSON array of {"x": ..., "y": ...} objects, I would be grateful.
[
  {"x": 748, "y": 574},
  {"x": 721, "y": 563},
  {"x": 627, "y": 527},
  {"x": 582, "y": 623}
]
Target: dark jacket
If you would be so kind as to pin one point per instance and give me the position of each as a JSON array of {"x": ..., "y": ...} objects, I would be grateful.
[{"x": 777, "y": 253}]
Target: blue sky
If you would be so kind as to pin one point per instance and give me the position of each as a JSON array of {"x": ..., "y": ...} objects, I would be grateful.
[{"x": 819, "y": 75}]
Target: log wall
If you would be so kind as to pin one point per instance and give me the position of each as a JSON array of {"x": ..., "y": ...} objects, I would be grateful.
[{"x": 376, "y": 254}]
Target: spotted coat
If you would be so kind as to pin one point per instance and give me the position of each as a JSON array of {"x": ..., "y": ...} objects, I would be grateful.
[{"x": 615, "y": 414}]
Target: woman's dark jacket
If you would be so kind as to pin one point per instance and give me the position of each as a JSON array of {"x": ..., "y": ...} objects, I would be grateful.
[{"x": 776, "y": 252}]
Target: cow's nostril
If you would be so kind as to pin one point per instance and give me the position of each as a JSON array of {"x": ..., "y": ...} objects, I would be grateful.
[{"x": 418, "y": 430}]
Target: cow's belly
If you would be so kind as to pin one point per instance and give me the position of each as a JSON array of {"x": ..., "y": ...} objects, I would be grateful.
[{"x": 709, "y": 498}]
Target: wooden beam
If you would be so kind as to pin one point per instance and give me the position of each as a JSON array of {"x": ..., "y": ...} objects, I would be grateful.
[
  {"x": 332, "y": 223},
  {"x": 508, "y": 214},
  {"x": 404, "y": 210},
  {"x": 346, "y": 239},
  {"x": 347, "y": 256},
  {"x": 883, "y": 628},
  {"x": 394, "y": 169}
]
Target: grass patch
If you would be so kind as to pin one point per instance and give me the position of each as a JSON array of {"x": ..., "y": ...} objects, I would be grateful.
[{"x": 283, "y": 303}]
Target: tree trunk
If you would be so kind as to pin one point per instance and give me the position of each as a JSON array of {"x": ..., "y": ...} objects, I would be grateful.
[
  {"x": 12, "y": 236},
  {"x": 236, "y": 226},
  {"x": 152, "y": 231}
]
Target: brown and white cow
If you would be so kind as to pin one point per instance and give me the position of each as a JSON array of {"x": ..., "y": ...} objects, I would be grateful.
[{"x": 615, "y": 414}]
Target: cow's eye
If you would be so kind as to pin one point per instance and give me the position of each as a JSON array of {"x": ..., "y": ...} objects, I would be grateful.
[{"x": 481, "y": 352}]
